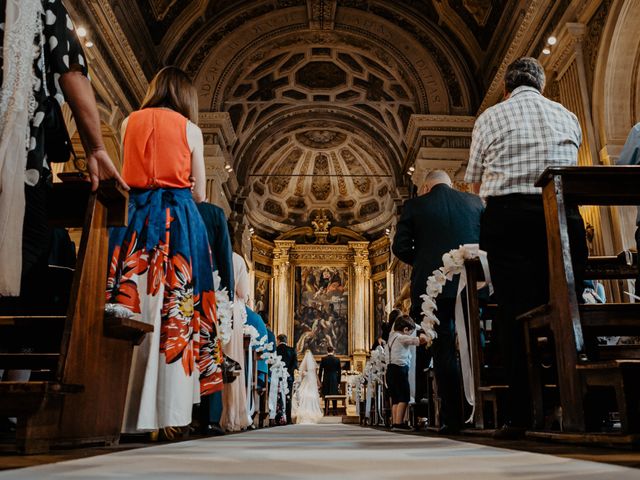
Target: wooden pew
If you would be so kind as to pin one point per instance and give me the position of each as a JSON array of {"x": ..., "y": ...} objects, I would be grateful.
[
  {"x": 255, "y": 391},
  {"x": 569, "y": 327},
  {"x": 489, "y": 390},
  {"x": 80, "y": 365}
]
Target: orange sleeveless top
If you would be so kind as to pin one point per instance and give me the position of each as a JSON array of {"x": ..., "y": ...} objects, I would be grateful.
[{"x": 156, "y": 150}]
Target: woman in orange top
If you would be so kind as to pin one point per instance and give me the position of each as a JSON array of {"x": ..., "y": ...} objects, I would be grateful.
[{"x": 160, "y": 269}]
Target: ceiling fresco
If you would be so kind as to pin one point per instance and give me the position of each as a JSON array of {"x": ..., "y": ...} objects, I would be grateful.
[{"x": 321, "y": 92}]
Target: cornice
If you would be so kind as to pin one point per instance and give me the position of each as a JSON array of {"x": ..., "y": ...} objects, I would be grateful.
[{"x": 118, "y": 45}]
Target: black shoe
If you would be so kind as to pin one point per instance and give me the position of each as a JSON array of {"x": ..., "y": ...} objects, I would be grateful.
[
  {"x": 401, "y": 427},
  {"x": 448, "y": 430},
  {"x": 213, "y": 429},
  {"x": 509, "y": 432}
]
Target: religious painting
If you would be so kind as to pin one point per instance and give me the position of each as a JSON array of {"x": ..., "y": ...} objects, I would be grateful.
[
  {"x": 379, "y": 297},
  {"x": 321, "y": 315},
  {"x": 261, "y": 295},
  {"x": 402, "y": 284}
]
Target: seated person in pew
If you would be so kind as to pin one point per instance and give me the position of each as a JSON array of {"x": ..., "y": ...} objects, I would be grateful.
[
  {"x": 512, "y": 143},
  {"x": 630, "y": 155},
  {"x": 160, "y": 267}
]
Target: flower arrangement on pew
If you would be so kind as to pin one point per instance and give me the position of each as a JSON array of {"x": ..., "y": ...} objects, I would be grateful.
[
  {"x": 224, "y": 310},
  {"x": 452, "y": 264}
]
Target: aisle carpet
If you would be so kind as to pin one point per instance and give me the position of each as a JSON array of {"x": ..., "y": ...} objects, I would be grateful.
[{"x": 323, "y": 451}]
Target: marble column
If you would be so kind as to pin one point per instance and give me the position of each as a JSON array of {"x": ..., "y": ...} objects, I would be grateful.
[
  {"x": 283, "y": 291},
  {"x": 360, "y": 302}
]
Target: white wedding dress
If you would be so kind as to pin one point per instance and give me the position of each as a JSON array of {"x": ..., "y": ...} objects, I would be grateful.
[{"x": 305, "y": 406}]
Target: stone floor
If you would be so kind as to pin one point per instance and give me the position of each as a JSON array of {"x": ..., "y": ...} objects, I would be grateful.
[{"x": 323, "y": 451}]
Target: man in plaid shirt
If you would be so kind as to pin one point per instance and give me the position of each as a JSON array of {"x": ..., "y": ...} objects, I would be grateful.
[{"x": 512, "y": 143}]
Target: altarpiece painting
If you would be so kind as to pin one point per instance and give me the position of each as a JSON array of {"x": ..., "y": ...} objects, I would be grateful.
[{"x": 321, "y": 311}]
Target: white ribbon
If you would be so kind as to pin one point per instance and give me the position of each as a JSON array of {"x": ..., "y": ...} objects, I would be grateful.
[
  {"x": 468, "y": 380},
  {"x": 251, "y": 408}
]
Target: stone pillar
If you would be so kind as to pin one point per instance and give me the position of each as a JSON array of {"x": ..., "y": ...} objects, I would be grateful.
[
  {"x": 360, "y": 302},
  {"x": 219, "y": 137},
  {"x": 439, "y": 142},
  {"x": 283, "y": 291}
]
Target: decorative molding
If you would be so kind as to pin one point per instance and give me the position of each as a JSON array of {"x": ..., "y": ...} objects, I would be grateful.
[
  {"x": 570, "y": 38},
  {"x": 118, "y": 45},
  {"x": 322, "y": 14}
]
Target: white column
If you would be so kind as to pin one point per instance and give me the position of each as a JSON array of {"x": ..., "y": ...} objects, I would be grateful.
[
  {"x": 283, "y": 293},
  {"x": 360, "y": 301}
]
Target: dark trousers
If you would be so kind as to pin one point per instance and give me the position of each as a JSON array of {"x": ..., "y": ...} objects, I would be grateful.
[
  {"x": 36, "y": 235},
  {"x": 211, "y": 409},
  {"x": 513, "y": 233},
  {"x": 445, "y": 364},
  {"x": 423, "y": 355},
  {"x": 289, "y": 395}
]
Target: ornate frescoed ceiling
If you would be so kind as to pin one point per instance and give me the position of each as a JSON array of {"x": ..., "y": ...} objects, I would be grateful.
[{"x": 320, "y": 93}]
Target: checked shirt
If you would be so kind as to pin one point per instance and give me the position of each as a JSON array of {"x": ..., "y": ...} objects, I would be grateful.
[{"x": 514, "y": 141}]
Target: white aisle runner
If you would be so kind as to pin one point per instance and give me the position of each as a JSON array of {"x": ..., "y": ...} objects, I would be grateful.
[{"x": 324, "y": 451}]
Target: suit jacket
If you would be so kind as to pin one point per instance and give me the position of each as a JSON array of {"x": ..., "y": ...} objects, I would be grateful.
[
  {"x": 289, "y": 357},
  {"x": 431, "y": 225},
  {"x": 215, "y": 223},
  {"x": 330, "y": 373}
]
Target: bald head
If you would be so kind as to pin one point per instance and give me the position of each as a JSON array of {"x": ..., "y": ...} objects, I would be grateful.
[{"x": 435, "y": 177}]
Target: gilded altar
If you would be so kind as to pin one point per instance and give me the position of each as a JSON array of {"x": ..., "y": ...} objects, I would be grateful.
[{"x": 324, "y": 287}]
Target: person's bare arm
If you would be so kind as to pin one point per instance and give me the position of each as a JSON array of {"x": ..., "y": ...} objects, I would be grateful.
[
  {"x": 196, "y": 143},
  {"x": 79, "y": 94}
]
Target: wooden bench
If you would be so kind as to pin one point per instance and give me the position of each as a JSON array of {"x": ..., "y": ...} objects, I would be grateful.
[
  {"x": 488, "y": 384},
  {"x": 80, "y": 360},
  {"x": 570, "y": 328},
  {"x": 340, "y": 400}
]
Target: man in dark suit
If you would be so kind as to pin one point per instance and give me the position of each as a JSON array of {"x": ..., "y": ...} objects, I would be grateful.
[
  {"x": 290, "y": 359},
  {"x": 439, "y": 220},
  {"x": 330, "y": 373}
]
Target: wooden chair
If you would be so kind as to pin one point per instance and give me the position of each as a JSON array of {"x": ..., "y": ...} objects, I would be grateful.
[
  {"x": 81, "y": 360},
  {"x": 570, "y": 327}
]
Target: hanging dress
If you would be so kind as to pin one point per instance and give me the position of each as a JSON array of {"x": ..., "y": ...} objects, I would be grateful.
[{"x": 160, "y": 270}]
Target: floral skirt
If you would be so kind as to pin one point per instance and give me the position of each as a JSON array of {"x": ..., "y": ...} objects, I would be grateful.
[{"x": 161, "y": 271}]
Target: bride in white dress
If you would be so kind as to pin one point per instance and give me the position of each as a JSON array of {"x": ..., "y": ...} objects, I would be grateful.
[{"x": 305, "y": 406}]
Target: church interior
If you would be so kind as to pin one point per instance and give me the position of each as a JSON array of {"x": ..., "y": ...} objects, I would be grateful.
[{"x": 320, "y": 119}]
